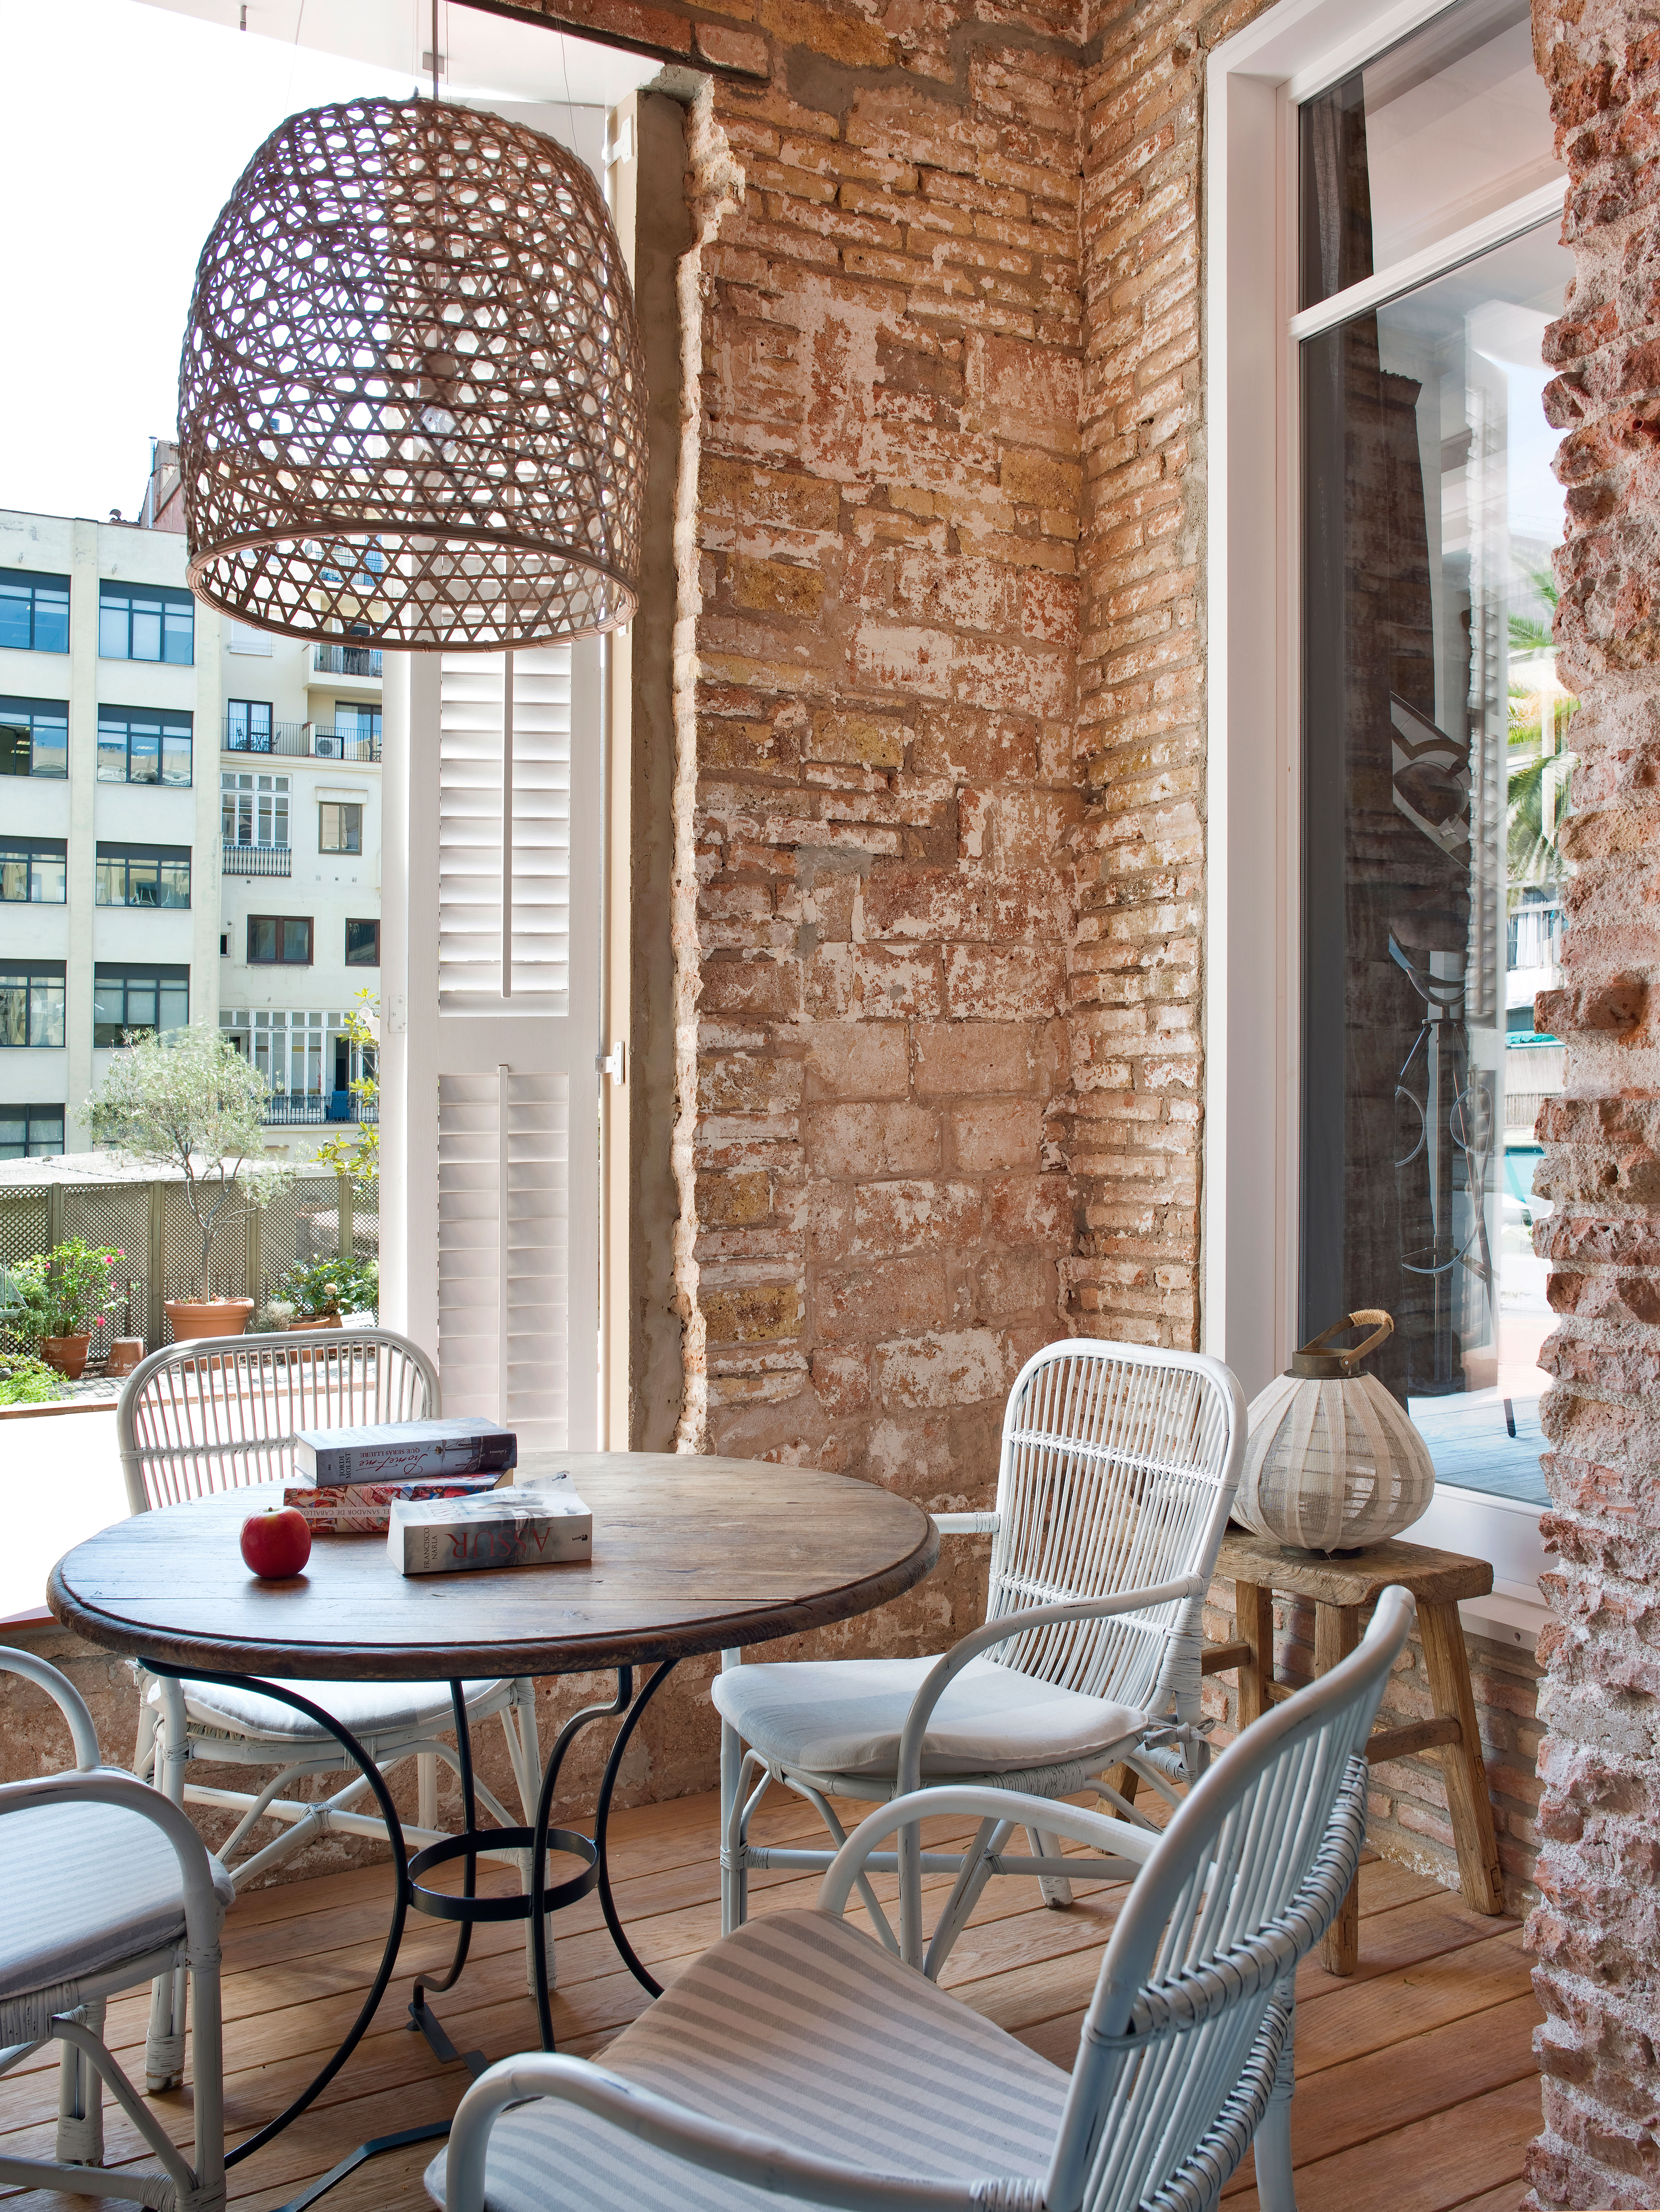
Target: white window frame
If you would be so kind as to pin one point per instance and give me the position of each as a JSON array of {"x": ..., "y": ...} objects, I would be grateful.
[{"x": 1255, "y": 83}]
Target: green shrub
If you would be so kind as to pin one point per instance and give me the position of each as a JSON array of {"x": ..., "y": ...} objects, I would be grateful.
[
  {"x": 332, "y": 1285},
  {"x": 26, "y": 1381}
]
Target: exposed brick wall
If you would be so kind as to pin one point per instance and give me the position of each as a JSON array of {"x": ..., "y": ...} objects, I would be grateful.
[
  {"x": 885, "y": 774},
  {"x": 1597, "y": 1934}
]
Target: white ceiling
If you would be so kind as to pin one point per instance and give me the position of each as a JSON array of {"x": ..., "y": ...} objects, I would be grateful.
[{"x": 488, "y": 57}]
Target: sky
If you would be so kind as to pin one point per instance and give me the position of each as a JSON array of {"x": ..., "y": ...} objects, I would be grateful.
[{"x": 127, "y": 127}]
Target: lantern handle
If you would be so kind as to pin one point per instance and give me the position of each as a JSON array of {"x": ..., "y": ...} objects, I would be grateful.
[{"x": 1311, "y": 1361}]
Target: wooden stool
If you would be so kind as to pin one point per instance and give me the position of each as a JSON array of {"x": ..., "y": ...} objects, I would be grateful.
[{"x": 1341, "y": 1590}]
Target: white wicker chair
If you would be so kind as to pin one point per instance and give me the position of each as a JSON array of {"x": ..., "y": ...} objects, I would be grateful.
[
  {"x": 103, "y": 1886},
  {"x": 799, "y": 2059},
  {"x": 221, "y": 1414},
  {"x": 1118, "y": 1468}
]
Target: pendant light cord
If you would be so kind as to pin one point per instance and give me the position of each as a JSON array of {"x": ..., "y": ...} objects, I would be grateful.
[{"x": 434, "y": 49}]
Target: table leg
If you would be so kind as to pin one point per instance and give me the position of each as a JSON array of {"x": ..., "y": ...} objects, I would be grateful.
[
  {"x": 1446, "y": 1662},
  {"x": 1336, "y": 1633},
  {"x": 539, "y": 1880},
  {"x": 420, "y": 2017},
  {"x": 1253, "y": 1612},
  {"x": 601, "y": 1820}
]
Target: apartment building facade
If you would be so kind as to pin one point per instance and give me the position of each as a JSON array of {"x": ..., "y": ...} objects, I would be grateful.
[{"x": 191, "y": 831}]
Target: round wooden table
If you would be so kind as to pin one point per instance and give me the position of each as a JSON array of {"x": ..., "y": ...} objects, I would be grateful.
[{"x": 691, "y": 1554}]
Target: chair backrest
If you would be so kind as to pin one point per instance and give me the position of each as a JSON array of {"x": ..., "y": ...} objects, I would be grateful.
[
  {"x": 1192, "y": 2006},
  {"x": 1119, "y": 1465},
  {"x": 221, "y": 1413}
]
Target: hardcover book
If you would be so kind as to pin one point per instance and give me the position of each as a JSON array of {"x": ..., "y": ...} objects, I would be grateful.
[
  {"x": 364, "y": 1509},
  {"x": 401, "y": 1451},
  {"x": 513, "y": 1527}
]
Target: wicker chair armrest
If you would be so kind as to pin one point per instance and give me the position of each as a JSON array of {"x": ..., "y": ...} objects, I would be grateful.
[
  {"x": 967, "y": 1524},
  {"x": 711, "y": 2144},
  {"x": 64, "y": 1695},
  {"x": 113, "y": 1785},
  {"x": 1003, "y": 1631},
  {"x": 1082, "y": 1824}
]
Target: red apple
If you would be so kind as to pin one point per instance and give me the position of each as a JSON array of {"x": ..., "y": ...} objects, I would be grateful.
[{"x": 276, "y": 1544}]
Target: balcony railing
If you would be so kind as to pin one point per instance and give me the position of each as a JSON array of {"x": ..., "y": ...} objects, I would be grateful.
[
  {"x": 346, "y": 660},
  {"x": 313, "y": 1109},
  {"x": 257, "y": 859},
  {"x": 303, "y": 739}
]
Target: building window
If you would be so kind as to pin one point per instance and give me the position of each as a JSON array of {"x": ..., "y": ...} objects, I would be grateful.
[
  {"x": 34, "y": 736},
  {"x": 139, "y": 745},
  {"x": 31, "y": 1002},
  {"x": 339, "y": 827},
  {"x": 146, "y": 621},
  {"x": 34, "y": 613},
  {"x": 143, "y": 875},
  {"x": 253, "y": 808},
  {"x": 1434, "y": 773},
  {"x": 279, "y": 939},
  {"x": 138, "y": 998},
  {"x": 33, "y": 869},
  {"x": 362, "y": 944},
  {"x": 247, "y": 725},
  {"x": 31, "y": 1133},
  {"x": 239, "y": 638}
]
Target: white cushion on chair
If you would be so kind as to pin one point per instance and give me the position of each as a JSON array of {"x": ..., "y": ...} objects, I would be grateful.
[
  {"x": 800, "y": 2029},
  {"x": 82, "y": 1887},
  {"x": 364, "y": 1708},
  {"x": 845, "y": 1716}
]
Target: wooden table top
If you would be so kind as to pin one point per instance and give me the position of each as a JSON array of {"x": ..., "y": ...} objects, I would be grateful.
[
  {"x": 689, "y": 1554},
  {"x": 1433, "y": 1578}
]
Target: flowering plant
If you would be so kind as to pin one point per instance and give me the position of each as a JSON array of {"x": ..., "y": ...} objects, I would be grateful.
[{"x": 67, "y": 1291}]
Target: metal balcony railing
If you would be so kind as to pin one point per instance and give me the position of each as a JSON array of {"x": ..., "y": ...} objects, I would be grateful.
[
  {"x": 304, "y": 740},
  {"x": 346, "y": 660},
  {"x": 257, "y": 859},
  {"x": 312, "y": 1109}
]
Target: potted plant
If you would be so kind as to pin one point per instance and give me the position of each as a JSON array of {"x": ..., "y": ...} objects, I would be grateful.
[
  {"x": 60, "y": 1292},
  {"x": 188, "y": 1100},
  {"x": 323, "y": 1293}
]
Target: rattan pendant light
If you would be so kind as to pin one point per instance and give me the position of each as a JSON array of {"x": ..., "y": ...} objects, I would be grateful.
[{"x": 412, "y": 397}]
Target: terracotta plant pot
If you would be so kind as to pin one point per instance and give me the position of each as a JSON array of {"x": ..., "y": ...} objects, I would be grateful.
[
  {"x": 68, "y": 1354},
  {"x": 125, "y": 1353},
  {"x": 192, "y": 1318},
  {"x": 320, "y": 1321}
]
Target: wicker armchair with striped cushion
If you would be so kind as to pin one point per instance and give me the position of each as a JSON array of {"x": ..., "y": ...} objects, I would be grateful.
[{"x": 799, "y": 2059}]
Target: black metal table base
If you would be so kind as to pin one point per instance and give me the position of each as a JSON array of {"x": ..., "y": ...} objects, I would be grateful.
[{"x": 467, "y": 1909}]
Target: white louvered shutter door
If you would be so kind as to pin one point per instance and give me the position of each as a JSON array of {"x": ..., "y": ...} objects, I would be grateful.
[{"x": 510, "y": 828}]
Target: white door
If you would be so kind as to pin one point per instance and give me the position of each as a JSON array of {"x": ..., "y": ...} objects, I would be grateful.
[{"x": 489, "y": 1179}]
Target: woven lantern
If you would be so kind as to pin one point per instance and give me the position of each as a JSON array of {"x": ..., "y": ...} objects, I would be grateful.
[
  {"x": 1332, "y": 1462},
  {"x": 412, "y": 397}
]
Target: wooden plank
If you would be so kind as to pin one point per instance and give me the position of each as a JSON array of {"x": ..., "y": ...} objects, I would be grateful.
[
  {"x": 1223, "y": 1658},
  {"x": 1446, "y": 1662},
  {"x": 1429, "y": 2166},
  {"x": 1388, "y": 2010},
  {"x": 1417, "y": 1736},
  {"x": 1253, "y": 1612},
  {"x": 1433, "y": 1578}
]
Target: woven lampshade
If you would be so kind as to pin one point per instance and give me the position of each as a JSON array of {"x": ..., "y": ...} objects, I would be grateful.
[
  {"x": 412, "y": 397},
  {"x": 1332, "y": 1462}
]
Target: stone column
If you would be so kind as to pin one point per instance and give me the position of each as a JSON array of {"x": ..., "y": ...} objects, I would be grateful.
[{"x": 1596, "y": 1932}]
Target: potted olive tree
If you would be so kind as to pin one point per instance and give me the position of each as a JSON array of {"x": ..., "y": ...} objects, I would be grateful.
[{"x": 188, "y": 1100}]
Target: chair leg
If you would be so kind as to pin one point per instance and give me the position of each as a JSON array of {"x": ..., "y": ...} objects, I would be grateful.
[
  {"x": 426, "y": 1790},
  {"x": 732, "y": 1845},
  {"x": 524, "y": 1752},
  {"x": 164, "y": 2045},
  {"x": 1275, "y": 2191},
  {"x": 1055, "y": 1889},
  {"x": 81, "y": 2096}
]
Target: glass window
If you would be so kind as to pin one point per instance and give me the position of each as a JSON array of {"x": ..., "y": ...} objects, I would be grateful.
[
  {"x": 143, "y": 875},
  {"x": 247, "y": 725},
  {"x": 34, "y": 736},
  {"x": 362, "y": 944},
  {"x": 126, "y": 997},
  {"x": 34, "y": 612},
  {"x": 31, "y": 1133},
  {"x": 1435, "y": 777},
  {"x": 33, "y": 869},
  {"x": 146, "y": 621},
  {"x": 339, "y": 827},
  {"x": 283, "y": 938},
  {"x": 31, "y": 1002},
  {"x": 138, "y": 744},
  {"x": 1449, "y": 125},
  {"x": 253, "y": 808}
]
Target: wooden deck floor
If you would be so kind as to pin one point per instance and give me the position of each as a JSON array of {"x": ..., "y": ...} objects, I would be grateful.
[{"x": 1416, "y": 2085}]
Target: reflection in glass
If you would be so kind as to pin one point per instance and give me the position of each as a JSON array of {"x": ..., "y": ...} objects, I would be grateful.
[
  {"x": 1442, "y": 129},
  {"x": 1434, "y": 780}
]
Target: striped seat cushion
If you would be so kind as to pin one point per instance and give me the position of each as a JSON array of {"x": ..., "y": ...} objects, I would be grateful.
[
  {"x": 845, "y": 1716},
  {"x": 802, "y": 2030},
  {"x": 82, "y": 1888},
  {"x": 363, "y": 1708}
]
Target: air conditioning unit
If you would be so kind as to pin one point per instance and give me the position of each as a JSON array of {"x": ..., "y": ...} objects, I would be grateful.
[{"x": 330, "y": 746}]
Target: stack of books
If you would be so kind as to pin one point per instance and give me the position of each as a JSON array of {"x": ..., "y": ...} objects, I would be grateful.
[{"x": 359, "y": 1475}]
